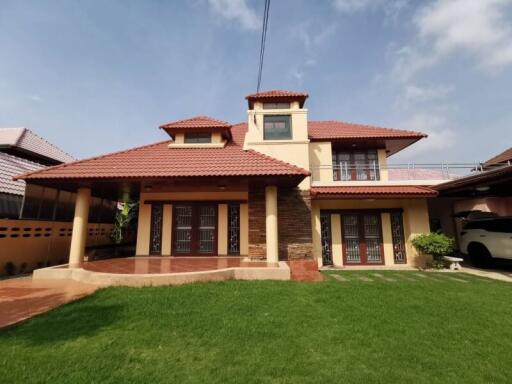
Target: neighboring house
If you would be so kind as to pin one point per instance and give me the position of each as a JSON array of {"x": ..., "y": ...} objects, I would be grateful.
[
  {"x": 488, "y": 191},
  {"x": 21, "y": 151},
  {"x": 277, "y": 187}
]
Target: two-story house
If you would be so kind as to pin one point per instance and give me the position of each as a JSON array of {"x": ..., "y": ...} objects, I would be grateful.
[{"x": 278, "y": 187}]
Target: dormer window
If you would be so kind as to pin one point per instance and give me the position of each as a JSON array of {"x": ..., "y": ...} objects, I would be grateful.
[
  {"x": 276, "y": 105},
  {"x": 277, "y": 127},
  {"x": 198, "y": 138}
]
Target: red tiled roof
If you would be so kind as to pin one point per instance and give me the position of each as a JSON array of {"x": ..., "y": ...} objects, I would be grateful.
[
  {"x": 196, "y": 122},
  {"x": 276, "y": 93},
  {"x": 328, "y": 130},
  {"x": 503, "y": 157},
  {"x": 157, "y": 160},
  {"x": 392, "y": 191}
]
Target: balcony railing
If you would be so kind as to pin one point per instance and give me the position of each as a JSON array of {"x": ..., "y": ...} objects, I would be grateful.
[{"x": 429, "y": 172}]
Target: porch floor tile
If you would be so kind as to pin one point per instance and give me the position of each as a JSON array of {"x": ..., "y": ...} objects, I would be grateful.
[{"x": 164, "y": 264}]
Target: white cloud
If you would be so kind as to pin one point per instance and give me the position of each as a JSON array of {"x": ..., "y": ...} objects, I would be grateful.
[
  {"x": 440, "y": 135},
  {"x": 392, "y": 9},
  {"x": 352, "y": 5},
  {"x": 236, "y": 10},
  {"x": 414, "y": 93},
  {"x": 478, "y": 29}
]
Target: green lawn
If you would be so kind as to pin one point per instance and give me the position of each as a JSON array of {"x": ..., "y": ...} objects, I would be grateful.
[{"x": 405, "y": 331}]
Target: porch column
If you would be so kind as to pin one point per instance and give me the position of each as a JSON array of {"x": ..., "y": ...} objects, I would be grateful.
[
  {"x": 79, "y": 235},
  {"x": 271, "y": 224}
]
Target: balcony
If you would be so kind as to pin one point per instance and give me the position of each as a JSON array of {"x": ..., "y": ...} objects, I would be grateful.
[{"x": 393, "y": 174}]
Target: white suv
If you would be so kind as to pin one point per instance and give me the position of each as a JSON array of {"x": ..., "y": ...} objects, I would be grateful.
[{"x": 487, "y": 239}]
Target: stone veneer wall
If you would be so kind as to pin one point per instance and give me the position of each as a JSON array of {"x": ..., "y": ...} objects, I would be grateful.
[{"x": 294, "y": 222}]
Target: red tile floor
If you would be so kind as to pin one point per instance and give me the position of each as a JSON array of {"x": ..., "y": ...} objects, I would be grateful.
[
  {"x": 22, "y": 298},
  {"x": 158, "y": 264}
]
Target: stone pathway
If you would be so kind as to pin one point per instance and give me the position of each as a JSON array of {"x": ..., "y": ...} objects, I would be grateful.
[
  {"x": 22, "y": 298},
  {"x": 417, "y": 277}
]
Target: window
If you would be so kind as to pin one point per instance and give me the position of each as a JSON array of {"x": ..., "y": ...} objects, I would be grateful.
[
  {"x": 276, "y": 105},
  {"x": 355, "y": 165},
  {"x": 277, "y": 127},
  {"x": 195, "y": 138},
  {"x": 397, "y": 234},
  {"x": 234, "y": 229}
]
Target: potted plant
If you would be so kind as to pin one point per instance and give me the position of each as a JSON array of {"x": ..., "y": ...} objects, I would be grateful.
[{"x": 435, "y": 244}]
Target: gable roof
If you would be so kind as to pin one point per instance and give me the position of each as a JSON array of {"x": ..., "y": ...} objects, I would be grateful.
[
  {"x": 159, "y": 161},
  {"x": 503, "y": 157},
  {"x": 27, "y": 141},
  {"x": 11, "y": 166}
]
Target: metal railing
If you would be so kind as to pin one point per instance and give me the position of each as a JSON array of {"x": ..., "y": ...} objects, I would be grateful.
[{"x": 397, "y": 172}]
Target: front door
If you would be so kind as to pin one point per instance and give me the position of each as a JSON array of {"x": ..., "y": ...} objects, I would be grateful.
[
  {"x": 194, "y": 229},
  {"x": 362, "y": 239}
]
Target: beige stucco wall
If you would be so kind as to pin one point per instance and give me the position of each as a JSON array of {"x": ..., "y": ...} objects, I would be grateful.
[
  {"x": 294, "y": 151},
  {"x": 320, "y": 156},
  {"x": 144, "y": 223},
  {"x": 415, "y": 221},
  {"x": 40, "y": 242}
]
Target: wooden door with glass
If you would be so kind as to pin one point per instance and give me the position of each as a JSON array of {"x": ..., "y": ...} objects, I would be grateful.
[
  {"x": 194, "y": 229},
  {"x": 362, "y": 238}
]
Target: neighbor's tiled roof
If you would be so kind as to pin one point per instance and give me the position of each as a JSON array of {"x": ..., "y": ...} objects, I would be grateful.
[
  {"x": 157, "y": 160},
  {"x": 373, "y": 191},
  {"x": 11, "y": 166},
  {"x": 197, "y": 122},
  {"x": 27, "y": 140},
  {"x": 275, "y": 93},
  {"x": 328, "y": 130},
  {"x": 503, "y": 157}
]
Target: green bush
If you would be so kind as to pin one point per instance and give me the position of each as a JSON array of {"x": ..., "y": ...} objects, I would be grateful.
[
  {"x": 10, "y": 268},
  {"x": 435, "y": 244}
]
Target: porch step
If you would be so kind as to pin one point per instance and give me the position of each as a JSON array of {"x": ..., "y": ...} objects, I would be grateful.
[{"x": 304, "y": 270}]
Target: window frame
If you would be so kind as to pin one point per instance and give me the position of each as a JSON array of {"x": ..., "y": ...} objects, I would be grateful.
[
  {"x": 277, "y": 105},
  {"x": 287, "y": 119},
  {"x": 370, "y": 166},
  {"x": 197, "y": 137}
]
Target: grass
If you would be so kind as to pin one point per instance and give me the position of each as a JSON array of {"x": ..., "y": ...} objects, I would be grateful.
[{"x": 413, "y": 329}]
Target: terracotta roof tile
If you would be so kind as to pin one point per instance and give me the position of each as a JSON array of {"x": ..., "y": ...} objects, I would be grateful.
[
  {"x": 276, "y": 93},
  {"x": 391, "y": 191},
  {"x": 197, "y": 122},
  {"x": 328, "y": 130},
  {"x": 157, "y": 160}
]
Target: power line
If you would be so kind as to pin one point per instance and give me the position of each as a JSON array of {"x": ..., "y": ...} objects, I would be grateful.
[{"x": 263, "y": 41}]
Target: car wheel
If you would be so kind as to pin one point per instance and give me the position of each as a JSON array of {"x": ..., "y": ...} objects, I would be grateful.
[{"x": 480, "y": 255}]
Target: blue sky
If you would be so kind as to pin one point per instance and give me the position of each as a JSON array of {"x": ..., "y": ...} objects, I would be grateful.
[{"x": 99, "y": 76}]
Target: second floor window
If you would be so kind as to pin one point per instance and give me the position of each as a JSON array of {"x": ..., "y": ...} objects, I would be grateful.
[
  {"x": 277, "y": 127},
  {"x": 194, "y": 138},
  {"x": 355, "y": 165},
  {"x": 276, "y": 105}
]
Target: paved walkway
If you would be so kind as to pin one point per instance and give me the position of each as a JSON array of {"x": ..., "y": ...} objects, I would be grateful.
[
  {"x": 22, "y": 298},
  {"x": 489, "y": 273},
  {"x": 400, "y": 276}
]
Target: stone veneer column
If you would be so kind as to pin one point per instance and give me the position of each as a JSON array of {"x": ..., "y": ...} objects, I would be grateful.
[
  {"x": 271, "y": 227},
  {"x": 256, "y": 219},
  {"x": 80, "y": 221}
]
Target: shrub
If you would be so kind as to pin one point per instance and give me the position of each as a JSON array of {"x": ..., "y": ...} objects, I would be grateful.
[
  {"x": 435, "y": 244},
  {"x": 10, "y": 268},
  {"x": 23, "y": 267}
]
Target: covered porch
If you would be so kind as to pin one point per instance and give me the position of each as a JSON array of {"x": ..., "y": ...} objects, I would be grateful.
[{"x": 192, "y": 229}]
